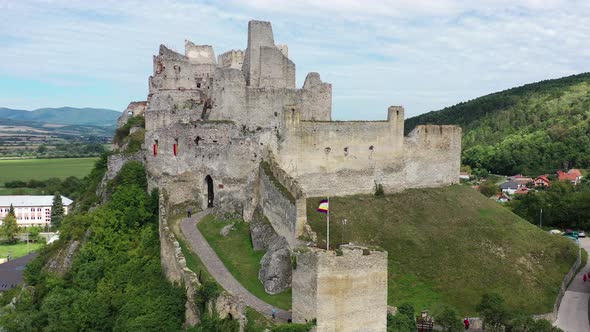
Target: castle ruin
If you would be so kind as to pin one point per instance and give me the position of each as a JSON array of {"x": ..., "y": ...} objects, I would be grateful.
[{"x": 220, "y": 131}]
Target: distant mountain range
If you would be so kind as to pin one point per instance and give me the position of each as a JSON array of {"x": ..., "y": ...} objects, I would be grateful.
[{"x": 64, "y": 115}]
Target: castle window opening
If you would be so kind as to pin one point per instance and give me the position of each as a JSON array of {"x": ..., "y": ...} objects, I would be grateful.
[
  {"x": 371, "y": 148},
  {"x": 130, "y": 113},
  {"x": 327, "y": 150},
  {"x": 276, "y": 114},
  {"x": 198, "y": 85},
  {"x": 197, "y": 140},
  {"x": 346, "y": 151}
]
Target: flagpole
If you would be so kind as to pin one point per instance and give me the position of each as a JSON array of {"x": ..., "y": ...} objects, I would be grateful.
[{"x": 328, "y": 227}]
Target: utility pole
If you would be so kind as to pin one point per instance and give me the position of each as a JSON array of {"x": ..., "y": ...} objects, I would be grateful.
[{"x": 541, "y": 218}]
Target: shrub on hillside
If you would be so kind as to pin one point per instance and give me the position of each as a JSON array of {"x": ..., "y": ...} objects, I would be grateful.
[{"x": 448, "y": 319}]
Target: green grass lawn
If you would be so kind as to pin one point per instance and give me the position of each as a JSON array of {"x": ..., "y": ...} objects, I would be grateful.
[
  {"x": 43, "y": 169},
  {"x": 450, "y": 246},
  {"x": 235, "y": 251},
  {"x": 18, "y": 250}
]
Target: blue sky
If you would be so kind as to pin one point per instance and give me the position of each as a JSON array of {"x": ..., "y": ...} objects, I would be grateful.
[{"x": 422, "y": 54}]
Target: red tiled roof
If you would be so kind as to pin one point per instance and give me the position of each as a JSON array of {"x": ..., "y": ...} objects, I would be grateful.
[
  {"x": 542, "y": 178},
  {"x": 571, "y": 175}
]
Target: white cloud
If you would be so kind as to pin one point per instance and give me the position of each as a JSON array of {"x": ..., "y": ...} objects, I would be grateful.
[{"x": 423, "y": 54}]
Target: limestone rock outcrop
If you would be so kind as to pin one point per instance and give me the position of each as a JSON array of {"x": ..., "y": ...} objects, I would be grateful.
[{"x": 275, "y": 271}]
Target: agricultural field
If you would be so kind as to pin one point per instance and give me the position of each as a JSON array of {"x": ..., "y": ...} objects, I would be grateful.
[{"x": 43, "y": 169}]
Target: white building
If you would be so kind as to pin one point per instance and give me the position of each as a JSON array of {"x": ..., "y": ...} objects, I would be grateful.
[{"x": 31, "y": 210}]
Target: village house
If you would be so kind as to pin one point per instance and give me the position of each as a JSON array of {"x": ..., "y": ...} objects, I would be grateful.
[
  {"x": 31, "y": 210},
  {"x": 501, "y": 198},
  {"x": 521, "y": 180},
  {"x": 542, "y": 181},
  {"x": 509, "y": 187},
  {"x": 573, "y": 175}
]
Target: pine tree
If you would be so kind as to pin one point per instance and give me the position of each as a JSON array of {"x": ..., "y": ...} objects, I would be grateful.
[
  {"x": 57, "y": 211},
  {"x": 9, "y": 228},
  {"x": 11, "y": 211}
]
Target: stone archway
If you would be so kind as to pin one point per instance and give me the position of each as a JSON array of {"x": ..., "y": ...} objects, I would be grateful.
[{"x": 210, "y": 191}]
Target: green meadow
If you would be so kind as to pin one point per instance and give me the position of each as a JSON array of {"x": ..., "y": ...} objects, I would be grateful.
[{"x": 43, "y": 169}]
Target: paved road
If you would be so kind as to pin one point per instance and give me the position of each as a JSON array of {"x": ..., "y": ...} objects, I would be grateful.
[
  {"x": 201, "y": 247},
  {"x": 573, "y": 312}
]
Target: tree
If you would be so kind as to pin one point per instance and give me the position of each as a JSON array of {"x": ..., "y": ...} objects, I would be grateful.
[
  {"x": 488, "y": 188},
  {"x": 449, "y": 320},
  {"x": 11, "y": 210},
  {"x": 9, "y": 228},
  {"x": 41, "y": 149},
  {"x": 493, "y": 311},
  {"x": 57, "y": 211},
  {"x": 398, "y": 323},
  {"x": 403, "y": 320},
  {"x": 408, "y": 311},
  {"x": 525, "y": 323}
]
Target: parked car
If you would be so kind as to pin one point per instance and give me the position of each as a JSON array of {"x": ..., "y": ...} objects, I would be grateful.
[
  {"x": 571, "y": 233},
  {"x": 581, "y": 234}
]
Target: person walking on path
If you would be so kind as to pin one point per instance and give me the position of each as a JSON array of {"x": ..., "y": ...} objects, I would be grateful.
[
  {"x": 189, "y": 212},
  {"x": 585, "y": 278},
  {"x": 466, "y": 323},
  {"x": 273, "y": 313}
]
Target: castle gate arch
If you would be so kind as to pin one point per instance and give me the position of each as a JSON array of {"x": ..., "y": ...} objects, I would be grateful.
[{"x": 210, "y": 191}]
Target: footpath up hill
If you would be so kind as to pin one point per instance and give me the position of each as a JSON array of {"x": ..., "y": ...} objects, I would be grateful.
[
  {"x": 533, "y": 129},
  {"x": 450, "y": 246}
]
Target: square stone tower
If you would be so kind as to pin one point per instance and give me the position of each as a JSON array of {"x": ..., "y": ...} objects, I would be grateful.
[{"x": 345, "y": 290}]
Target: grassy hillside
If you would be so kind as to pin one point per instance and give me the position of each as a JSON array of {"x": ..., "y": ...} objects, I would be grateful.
[
  {"x": 536, "y": 128},
  {"x": 451, "y": 245},
  {"x": 65, "y": 115}
]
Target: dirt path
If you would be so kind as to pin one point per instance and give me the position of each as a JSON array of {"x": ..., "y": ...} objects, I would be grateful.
[{"x": 201, "y": 247}]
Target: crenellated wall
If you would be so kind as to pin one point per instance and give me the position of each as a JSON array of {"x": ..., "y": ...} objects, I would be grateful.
[
  {"x": 333, "y": 158},
  {"x": 231, "y": 59}
]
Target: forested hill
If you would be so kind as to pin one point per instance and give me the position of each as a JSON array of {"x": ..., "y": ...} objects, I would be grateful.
[{"x": 533, "y": 129}]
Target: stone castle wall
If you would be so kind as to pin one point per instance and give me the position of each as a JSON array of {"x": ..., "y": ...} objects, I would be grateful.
[
  {"x": 231, "y": 59},
  {"x": 279, "y": 208},
  {"x": 204, "y": 149},
  {"x": 174, "y": 263},
  {"x": 344, "y": 293},
  {"x": 344, "y": 158}
]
